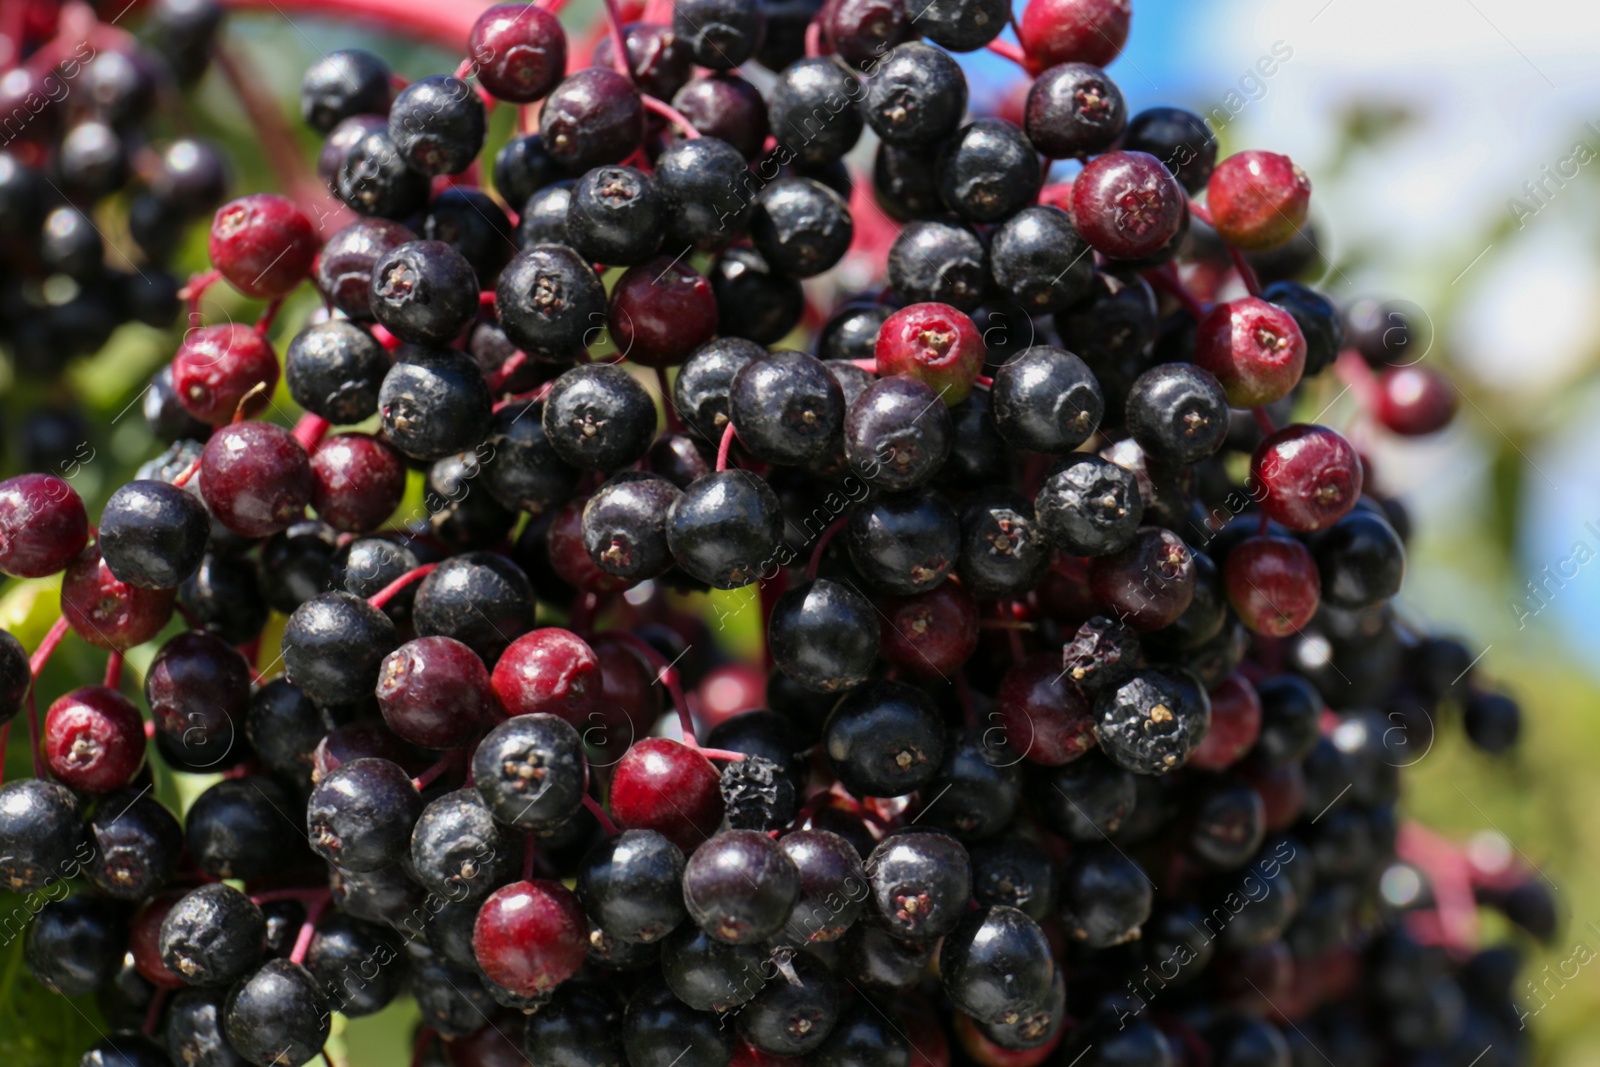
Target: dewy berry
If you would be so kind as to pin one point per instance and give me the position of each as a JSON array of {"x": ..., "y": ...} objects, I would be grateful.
[{"x": 891, "y": 624}]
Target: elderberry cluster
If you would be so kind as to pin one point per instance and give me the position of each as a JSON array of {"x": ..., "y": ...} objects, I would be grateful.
[{"x": 1078, "y": 730}]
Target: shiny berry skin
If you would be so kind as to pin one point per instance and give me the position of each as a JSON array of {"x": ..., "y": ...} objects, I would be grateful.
[
  {"x": 212, "y": 936},
  {"x": 988, "y": 171},
  {"x": 824, "y": 635},
  {"x": 216, "y": 366},
  {"x": 1041, "y": 715},
  {"x": 801, "y": 227},
  {"x": 277, "y": 1015},
  {"x": 906, "y": 542},
  {"x": 1003, "y": 552},
  {"x": 931, "y": 634},
  {"x": 917, "y": 96},
  {"x": 939, "y": 262},
  {"x": 435, "y": 692},
  {"x": 1045, "y": 399},
  {"x": 1073, "y": 109},
  {"x": 1148, "y": 584},
  {"x": 1180, "y": 139},
  {"x": 1258, "y": 200},
  {"x": 599, "y": 417},
  {"x": 550, "y": 302},
  {"x": 996, "y": 965},
  {"x": 437, "y": 124},
  {"x": 786, "y": 407},
  {"x": 1127, "y": 205},
  {"x": 93, "y": 740},
  {"x": 624, "y": 525},
  {"x": 1254, "y": 348},
  {"x": 153, "y": 535},
  {"x": 803, "y": 87},
  {"x": 1308, "y": 476},
  {"x": 1361, "y": 561},
  {"x": 726, "y": 529},
  {"x": 75, "y": 945},
  {"x": 833, "y": 886},
  {"x": 754, "y": 300},
  {"x": 580, "y": 1026},
  {"x": 863, "y": 31},
  {"x": 255, "y": 478},
  {"x": 343, "y": 84},
  {"x": 263, "y": 245},
  {"x": 664, "y": 786},
  {"x": 137, "y": 843},
  {"x": 530, "y": 936},
  {"x": 198, "y": 691},
  {"x": 106, "y": 612},
  {"x": 521, "y": 52},
  {"x": 1415, "y": 401},
  {"x": 344, "y": 274},
  {"x": 659, "y": 1026},
  {"x": 1087, "y": 799},
  {"x": 15, "y": 676},
  {"x": 1272, "y": 583},
  {"x": 548, "y": 671},
  {"x": 935, "y": 344},
  {"x": 631, "y": 885},
  {"x": 530, "y": 771},
  {"x": 458, "y": 850},
  {"x": 481, "y": 599},
  {"x": 897, "y": 433},
  {"x": 1151, "y": 723},
  {"x": 424, "y": 292},
  {"x": 1074, "y": 31},
  {"x": 1105, "y": 898},
  {"x": 721, "y": 34},
  {"x": 793, "y": 1014},
  {"x": 704, "y": 185},
  {"x": 334, "y": 369},
  {"x": 360, "y": 816},
  {"x": 921, "y": 882},
  {"x": 334, "y": 646},
  {"x": 1089, "y": 506},
  {"x": 615, "y": 216},
  {"x": 1236, "y": 717},
  {"x": 884, "y": 739},
  {"x": 1178, "y": 413},
  {"x": 357, "y": 481},
  {"x": 658, "y": 60},
  {"x": 591, "y": 118},
  {"x": 434, "y": 403},
  {"x": 1040, "y": 261},
  {"x": 43, "y": 525},
  {"x": 661, "y": 311},
  {"x": 739, "y": 887},
  {"x": 41, "y": 834}
]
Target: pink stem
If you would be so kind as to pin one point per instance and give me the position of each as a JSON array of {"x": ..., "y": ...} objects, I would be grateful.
[
  {"x": 868, "y": 365},
  {"x": 822, "y": 543},
  {"x": 426, "y": 778},
  {"x": 1247, "y": 273},
  {"x": 1264, "y": 420},
  {"x": 722, "y": 449},
  {"x": 1356, "y": 373},
  {"x": 114, "y": 671},
  {"x": 308, "y": 930},
  {"x": 667, "y": 674},
  {"x": 984, "y": 380},
  {"x": 152, "y": 1015},
  {"x": 264, "y": 323},
  {"x": 309, "y": 431},
  {"x": 500, "y": 377},
  {"x": 388, "y": 592},
  {"x": 673, "y": 422},
  {"x": 270, "y": 895},
  {"x": 600, "y": 816},
  {"x": 41, "y": 656},
  {"x": 671, "y": 114},
  {"x": 720, "y": 753},
  {"x": 530, "y": 850},
  {"x": 1009, "y": 51},
  {"x": 1167, "y": 280},
  {"x": 619, "y": 41}
]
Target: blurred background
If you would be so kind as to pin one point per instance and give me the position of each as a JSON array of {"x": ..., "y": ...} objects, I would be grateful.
[{"x": 1454, "y": 150}]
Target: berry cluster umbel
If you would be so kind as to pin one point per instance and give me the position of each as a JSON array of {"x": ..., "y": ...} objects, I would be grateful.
[{"x": 1058, "y": 713}]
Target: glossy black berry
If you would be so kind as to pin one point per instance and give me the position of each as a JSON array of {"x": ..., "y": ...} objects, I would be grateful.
[
  {"x": 852, "y": 333},
  {"x": 615, "y": 217},
  {"x": 1177, "y": 412},
  {"x": 153, "y": 535},
  {"x": 357, "y": 965},
  {"x": 437, "y": 123},
  {"x": 1046, "y": 400},
  {"x": 905, "y": 543},
  {"x": 522, "y": 167},
  {"x": 333, "y": 646},
  {"x": 41, "y": 834},
  {"x": 526, "y": 473},
  {"x": 1150, "y": 723},
  {"x": 360, "y": 816},
  {"x": 212, "y": 936},
  {"x": 707, "y": 974},
  {"x": 424, "y": 292},
  {"x": 459, "y": 851},
  {"x": 996, "y": 965},
  {"x": 241, "y": 828},
  {"x": 704, "y": 195},
  {"x": 481, "y": 599},
  {"x": 740, "y": 887},
  {"x": 905, "y": 183},
  {"x": 342, "y": 84},
  {"x": 631, "y": 885},
  {"x": 136, "y": 843},
  {"x": 625, "y": 525},
  {"x": 277, "y": 1015},
  {"x": 786, "y": 407},
  {"x": 1073, "y": 109},
  {"x": 797, "y": 1009},
  {"x": 1493, "y": 722},
  {"x": 1013, "y": 871},
  {"x": 192, "y": 1031},
  {"x": 543, "y": 218},
  {"x": 726, "y": 529},
  {"x": 898, "y": 433},
  {"x": 433, "y": 403},
  {"x": 754, "y": 299},
  {"x": 1003, "y": 550},
  {"x": 334, "y": 369},
  {"x": 824, "y": 635},
  {"x": 599, "y": 417},
  {"x": 921, "y": 883},
  {"x": 1180, "y": 139},
  {"x": 940, "y": 262},
  {"x": 1105, "y": 896},
  {"x": 700, "y": 390},
  {"x": 659, "y": 1026},
  {"x": 805, "y": 112},
  {"x": 581, "y": 1026},
  {"x": 721, "y": 34},
  {"x": 1038, "y": 259},
  {"x": 801, "y": 227},
  {"x": 988, "y": 171},
  {"x": 917, "y": 96},
  {"x": 75, "y": 945},
  {"x": 884, "y": 739},
  {"x": 1360, "y": 561},
  {"x": 530, "y": 771},
  {"x": 373, "y": 179},
  {"x": 592, "y": 118}
]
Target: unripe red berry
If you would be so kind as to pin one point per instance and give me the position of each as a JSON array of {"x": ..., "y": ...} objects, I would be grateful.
[
  {"x": 1306, "y": 477},
  {"x": 263, "y": 244},
  {"x": 1074, "y": 31},
  {"x": 1254, "y": 348},
  {"x": 43, "y": 525},
  {"x": 1257, "y": 200},
  {"x": 1273, "y": 585},
  {"x": 934, "y": 343},
  {"x": 1415, "y": 401},
  {"x": 217, "y": 366}
]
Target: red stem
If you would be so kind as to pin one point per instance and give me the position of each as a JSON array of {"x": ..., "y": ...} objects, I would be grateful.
[
  {"x": 114, "y": 671},
  {"x": 671, "y": 114},
  {"x": 506, "y": 370},
  {"x": 1167, "y": 280},
  {"x": 188, "y": 472},
  {"x": 1009, "y": 51},
  {"x": 152, "y": 1014},
  {"x": 1357, "y": 373},
  {"x": 1247, "y": 273},
  {"x": 419, "y": 1048},
  {"x": 268, "y": 315},
  {"x": 1264, "y": 420},
  {"x": 309, "y": 431},
  {"x": 530, "y": 850},
  {"x": 271, "y": 895},
  {"x": 984, "y": 380},
  {"x": 722, "y": 449},
  {"x": 600, "y": 815},
  {"x": 619, "y": 41},
  {"x": 308, "y": 929},
  {"x": 868, "y": 365},
  {"x": 192, "y": 292},
  {"x": 822, "y": 543},
  {"x": 720, "y": 753},
  {"x": 41, "y": 656},
  {"x": 426, "y": 778},
  {"x": 667, "y": 674},
  {"x": 387, "y": 593}
]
